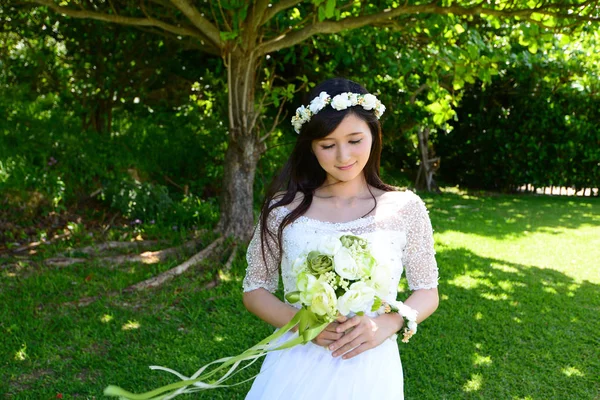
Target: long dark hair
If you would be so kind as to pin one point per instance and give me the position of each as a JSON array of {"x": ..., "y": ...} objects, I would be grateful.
[{"x": 303, "y": 173}]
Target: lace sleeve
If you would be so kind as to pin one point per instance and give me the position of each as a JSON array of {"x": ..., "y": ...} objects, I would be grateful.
[
  {"x": 263, "y": 272},
  {"x": 418, "y": 257}
]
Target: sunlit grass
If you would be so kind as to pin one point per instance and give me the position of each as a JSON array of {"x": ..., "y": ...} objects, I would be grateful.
[{"x": 518, "y": 316}]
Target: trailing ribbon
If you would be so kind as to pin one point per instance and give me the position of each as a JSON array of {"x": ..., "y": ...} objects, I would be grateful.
[{"x": 309, "y": 326}]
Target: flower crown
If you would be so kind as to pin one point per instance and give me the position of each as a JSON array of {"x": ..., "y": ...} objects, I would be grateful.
[{"x": 338, "y": 102}]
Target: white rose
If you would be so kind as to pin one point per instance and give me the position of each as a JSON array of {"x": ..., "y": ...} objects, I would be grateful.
[
  {"x": 358, "y": 298},
  {"x": 304, "y": 114},
  {"x": 380, "y": 110},
  {"x": 299, "y": 265},
  {"x": 353, "y": 99},
  {"x": 306, "y": 284},
  {"x": 297, "y": 125},
  {"x": 412, "y": 325},
  {"x": 324, "y": 301},
  {"x": 369, "y": 101},
  {"x": 366, "y": 264},
  {"x": 329, "y": 246},
  {"x": 381, "y": 278},
  {"x": 341, "y": 102},
  {"x": 408, "y": 312},
  {"x": 318, "y": 103},
  {"x": 345, "y": 265}
]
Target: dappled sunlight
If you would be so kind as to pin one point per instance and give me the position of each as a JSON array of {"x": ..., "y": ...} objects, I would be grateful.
[
  {"x": 106, "y": 318},
  {"x": 225, "y": 276},
  {"x": 513, "y": 317},
  {"x": 21, "y": 354},
  {"x": 473, "y": 384},
  {"x": 494, "y": 296},
  {"x": 510, "y": 216},
  {"x": 479, "y": 360},
  {"x": 550, "y": 290},
  {"x": 469, "y": 282},
  {"x": 131, "y": 325},
  {"x": 571, "y": 371},
  {"x": 505, "y": 268},
  {"x": 150, "y": 257}
]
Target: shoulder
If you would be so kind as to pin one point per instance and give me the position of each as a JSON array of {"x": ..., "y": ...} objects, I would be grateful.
[
  {"x": 399, "y": 195},
  {"x": 406, "y": 201},
  {"x": 299, "y": 196}
]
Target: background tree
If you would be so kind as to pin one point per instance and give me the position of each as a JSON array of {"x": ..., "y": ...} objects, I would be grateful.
[{"x": 243, "y": 34}]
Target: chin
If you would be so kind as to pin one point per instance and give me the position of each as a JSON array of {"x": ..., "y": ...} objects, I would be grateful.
[{"x": 341, "y": 177}]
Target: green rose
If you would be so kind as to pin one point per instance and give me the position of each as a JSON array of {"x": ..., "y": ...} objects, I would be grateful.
[
  {"x": 319, "y": 263},
  {"x": 354, "y": 243}
]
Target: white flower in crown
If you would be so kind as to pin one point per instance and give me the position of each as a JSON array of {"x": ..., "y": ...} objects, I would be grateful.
[
  {"x": 305, "y": 113},
  {"x": 302, "y": 116},
  {"x": 341, "y": 102},
  {"x": 379, "y": 109},
  {"x": 369, "y": 101},
  {"x": 319, "y": 103}
]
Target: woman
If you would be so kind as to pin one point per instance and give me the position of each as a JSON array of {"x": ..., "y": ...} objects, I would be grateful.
[{"x": 331, "y": 184}]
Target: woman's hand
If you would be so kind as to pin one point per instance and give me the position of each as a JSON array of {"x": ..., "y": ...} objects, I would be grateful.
[
  {"x": 330, "y": 334},
  {"x": 363, "y": 333}
]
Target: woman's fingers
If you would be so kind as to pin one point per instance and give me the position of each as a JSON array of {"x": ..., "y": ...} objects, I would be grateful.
[
  {"x": 352, "y": 322},
  {"x": 341, "y": 318},
  {"x": 329, "y": 335},
  {"x": 345, "y": 339},
  {"x": 348, "y": 346},
  {"x": 362, "y": 348},
  {"x": 332, "y": 327}
]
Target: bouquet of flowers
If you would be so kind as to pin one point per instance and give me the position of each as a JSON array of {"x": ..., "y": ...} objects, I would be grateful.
[{"x": 338, "y": 275}]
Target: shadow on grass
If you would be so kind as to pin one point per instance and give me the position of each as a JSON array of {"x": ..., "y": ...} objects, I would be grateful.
[
  {"x": 506, "y": 331},
  {"x": 503, "y": 331},
  {"x": 508, "y": 215}
]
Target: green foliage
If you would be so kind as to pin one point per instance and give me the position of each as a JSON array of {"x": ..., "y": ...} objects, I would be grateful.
[
  {"x": 535, "y": 124},
  {"x": 144, "y": 202}
]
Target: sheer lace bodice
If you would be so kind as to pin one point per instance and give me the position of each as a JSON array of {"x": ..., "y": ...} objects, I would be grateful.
[{"x": 400, "y": 231}]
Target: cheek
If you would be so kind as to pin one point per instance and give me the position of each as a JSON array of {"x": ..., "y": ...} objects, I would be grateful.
[
  {"x": 323, "y": 156},
  {"x": 364, "y": 148}
]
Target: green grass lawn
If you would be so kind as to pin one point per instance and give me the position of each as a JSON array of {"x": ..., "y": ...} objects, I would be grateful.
[{"x": 518, "y": 316}]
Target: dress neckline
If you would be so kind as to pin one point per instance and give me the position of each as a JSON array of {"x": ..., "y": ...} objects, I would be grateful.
[{"x": 355, "y": 222}]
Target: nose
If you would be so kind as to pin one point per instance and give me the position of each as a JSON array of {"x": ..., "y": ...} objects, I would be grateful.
[{"x": 343, "y": 154}]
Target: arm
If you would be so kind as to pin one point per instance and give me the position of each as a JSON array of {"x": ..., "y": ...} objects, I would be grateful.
[
  {"x": 425, "y": 301},
  {"x": 269, "y": 308}
]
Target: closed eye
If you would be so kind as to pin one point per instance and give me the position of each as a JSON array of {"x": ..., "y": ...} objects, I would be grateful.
[{"x": 351, "y": 142}]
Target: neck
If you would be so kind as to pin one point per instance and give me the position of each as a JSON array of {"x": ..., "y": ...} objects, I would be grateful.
[{"x": 356, "y": 188}]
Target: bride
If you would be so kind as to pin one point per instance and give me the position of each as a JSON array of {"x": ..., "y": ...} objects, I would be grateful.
[{"x": 331, "y": 184}]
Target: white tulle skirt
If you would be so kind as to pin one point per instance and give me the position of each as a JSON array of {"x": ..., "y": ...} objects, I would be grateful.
[{"x": 310, "y": 372}]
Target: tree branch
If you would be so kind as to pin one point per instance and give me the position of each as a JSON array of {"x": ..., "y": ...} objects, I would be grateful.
[
  {"x": 272, "y": 11},
  {"x": 201, "y": 23},
  {"x": 119, "y": 19},
  {"x": 258, "y": 12},
  {"x": 328, "y": 27}
]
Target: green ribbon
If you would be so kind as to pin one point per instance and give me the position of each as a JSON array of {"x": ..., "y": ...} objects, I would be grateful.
[{"x": 309, "y": 327}]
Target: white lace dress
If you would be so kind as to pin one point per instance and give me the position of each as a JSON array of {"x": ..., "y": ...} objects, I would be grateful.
[{"x": 400, "y": 229}]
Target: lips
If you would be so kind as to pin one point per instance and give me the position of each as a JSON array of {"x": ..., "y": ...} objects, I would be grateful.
[{"x": 347, "y": 167}]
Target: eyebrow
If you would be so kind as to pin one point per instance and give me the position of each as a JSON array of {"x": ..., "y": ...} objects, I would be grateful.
[{"x": 350, "y": 134}]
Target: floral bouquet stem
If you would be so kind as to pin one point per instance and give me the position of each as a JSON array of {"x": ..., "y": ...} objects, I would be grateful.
[{"x": 309, "y": 327}]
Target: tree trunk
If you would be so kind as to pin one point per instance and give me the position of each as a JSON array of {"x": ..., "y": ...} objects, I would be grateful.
[{"x": 243, "y": 150}]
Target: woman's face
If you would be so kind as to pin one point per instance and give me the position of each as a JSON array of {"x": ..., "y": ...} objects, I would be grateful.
[{"x": 344, "y": 152}]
